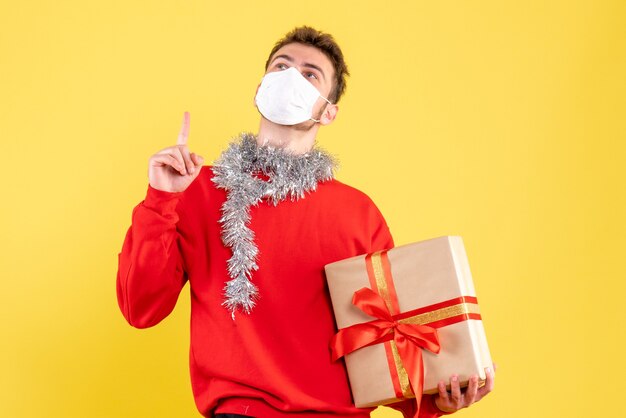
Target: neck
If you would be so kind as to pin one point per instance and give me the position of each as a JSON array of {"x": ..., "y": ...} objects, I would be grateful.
[{"x": 296, "y": 139}]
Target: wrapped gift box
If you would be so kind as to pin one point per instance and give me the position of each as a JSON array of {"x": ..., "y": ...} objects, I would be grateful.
[{"x": 427, "y": 283}]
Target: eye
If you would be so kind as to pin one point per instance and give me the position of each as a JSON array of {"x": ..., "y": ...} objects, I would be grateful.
[
  {"x": 311, "y": 75},
  {"x": 281, "y": 66}
]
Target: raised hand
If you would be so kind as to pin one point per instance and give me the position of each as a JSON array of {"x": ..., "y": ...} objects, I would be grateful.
[{"x": 174, "y": 168}]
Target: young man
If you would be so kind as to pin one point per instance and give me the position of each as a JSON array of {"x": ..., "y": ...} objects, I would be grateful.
[{"x": 252, "y": 234}]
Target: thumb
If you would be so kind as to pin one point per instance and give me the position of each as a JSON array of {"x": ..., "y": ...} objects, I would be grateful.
[
  {"x": 197, "y": 162},
  {"x": 196, "y": 159}
]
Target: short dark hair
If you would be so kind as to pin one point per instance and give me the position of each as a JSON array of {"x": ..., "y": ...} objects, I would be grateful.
[{"x": 324, "y": 42}]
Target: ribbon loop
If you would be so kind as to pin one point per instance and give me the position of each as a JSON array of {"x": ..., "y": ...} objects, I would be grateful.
[
  {"x": 358, "y": 336},
  {"x": 409, "y": 338},
  {"x": 371, "y": 303}
]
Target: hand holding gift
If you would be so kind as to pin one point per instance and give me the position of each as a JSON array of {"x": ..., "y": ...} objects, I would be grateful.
[
  {"x": 456, "y": 399},
  {"x": 447, "y": 402}
]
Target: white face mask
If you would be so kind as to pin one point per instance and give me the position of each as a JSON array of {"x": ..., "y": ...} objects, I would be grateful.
[{"x": 286, "y": 98}]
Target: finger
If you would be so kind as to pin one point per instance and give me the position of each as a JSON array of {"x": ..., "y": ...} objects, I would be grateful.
[
  {"x": 175, "y": 152},
  {"x": 168, "y": 160},
  {"x": 489, "y": 382},
  {"x": 455, "y": 389},
  {"x": 184, "y": 151},
  {"x": 472, "y": 390},
  {"x": 443, "y": 392},
  {"x": 197, "y": 159},
  {"x": 198, "y": 162},
  {"x": 184, "y": 130},
  {"x": 178, "y": 153}
]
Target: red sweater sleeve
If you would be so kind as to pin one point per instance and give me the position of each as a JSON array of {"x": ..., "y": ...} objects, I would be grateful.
[{"x": 150, "y": 271}]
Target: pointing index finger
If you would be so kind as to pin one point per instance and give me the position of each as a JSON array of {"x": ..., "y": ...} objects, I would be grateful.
[{"x": 184, "y": 131}]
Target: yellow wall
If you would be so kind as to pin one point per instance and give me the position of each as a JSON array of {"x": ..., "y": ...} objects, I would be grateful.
[{"x": 502, "y": 122}]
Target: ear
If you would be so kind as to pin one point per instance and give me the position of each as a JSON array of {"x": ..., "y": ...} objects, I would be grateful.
[{"x": 329, "y": 114}]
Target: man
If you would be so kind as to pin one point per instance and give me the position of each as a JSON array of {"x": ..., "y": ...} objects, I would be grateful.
[{"x": 252, "y": 235}]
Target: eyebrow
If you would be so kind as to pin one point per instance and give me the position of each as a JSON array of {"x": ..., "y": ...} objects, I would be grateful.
[{"x": 306, "y": 64}]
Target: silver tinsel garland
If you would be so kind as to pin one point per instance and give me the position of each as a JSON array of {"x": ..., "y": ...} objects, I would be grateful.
[{"x": 290, "y": 176}]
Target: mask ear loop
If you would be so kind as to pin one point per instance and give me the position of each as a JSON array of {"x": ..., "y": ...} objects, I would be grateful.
[{"x": 318, "y": 120}]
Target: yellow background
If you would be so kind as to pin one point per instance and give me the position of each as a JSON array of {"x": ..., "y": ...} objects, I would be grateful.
[{"x": 502, "y": 122}]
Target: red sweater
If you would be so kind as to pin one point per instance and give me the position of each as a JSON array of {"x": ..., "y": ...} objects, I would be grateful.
[{"x": 274, "y": 362}]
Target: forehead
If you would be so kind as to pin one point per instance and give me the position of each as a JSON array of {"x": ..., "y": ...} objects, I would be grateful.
[{"x": 302, "y": 54}]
